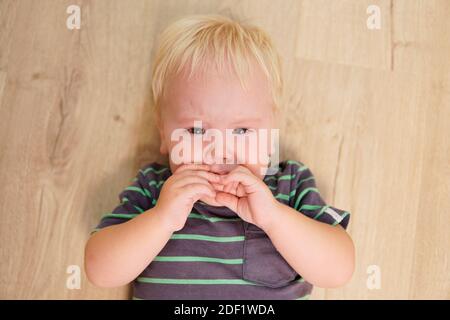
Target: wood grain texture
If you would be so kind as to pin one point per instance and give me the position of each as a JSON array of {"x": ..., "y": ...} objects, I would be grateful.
[{"x": 367, "y": 110}]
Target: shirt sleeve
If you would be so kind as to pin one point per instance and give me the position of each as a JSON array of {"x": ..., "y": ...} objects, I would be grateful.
[
  {"x": 307, "y": 200},
  {"x": 134, "y": 199}
]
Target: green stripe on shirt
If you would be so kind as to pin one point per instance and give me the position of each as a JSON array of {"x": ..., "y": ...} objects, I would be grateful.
[
  {"x": 195, "y": 281},
  {"x": 155, "y": 183},
  {"x": 199, "y": 281},
  {"x": 120, "y": 215},
  {"x": 144, "y": 192},
  {"x": 206, "y": 238},
  {"x": 321, "y": 212},
  {"x": 285, "y": 196},
  {"x": 197, "y": 259},
  {"x": 302, "y": 194},
  {"x": 192, "y": 215},
  {"x": 212, "y": 219},
  {"x": 144, "y": 172}
]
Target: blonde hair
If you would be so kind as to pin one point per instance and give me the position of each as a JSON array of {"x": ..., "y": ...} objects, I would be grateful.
[{"x": 195, "y": 39}]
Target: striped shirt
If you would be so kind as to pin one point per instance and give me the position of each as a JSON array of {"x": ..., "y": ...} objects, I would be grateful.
[{"x": 217, "y": 255}]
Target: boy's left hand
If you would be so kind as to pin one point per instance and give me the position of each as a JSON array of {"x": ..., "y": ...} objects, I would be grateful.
[{"x": 248, "y": 196}]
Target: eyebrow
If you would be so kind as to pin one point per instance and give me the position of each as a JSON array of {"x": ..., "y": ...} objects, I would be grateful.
[
  {"x": 248, "y": 120},
  {"x": 190, "y": 118},
  {"x": 240, "y": 121}
]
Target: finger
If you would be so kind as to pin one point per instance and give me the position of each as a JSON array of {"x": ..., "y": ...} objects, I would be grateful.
[
  {"x": 197, "y": 190},
  {"x": 214, "y": 177},
  {"x": 231, "y": 187},
  {"x": 228, "y": 200},
  {"x": 218, "y": 186},
  {"x": 228, "y": 187},
  {"x": 183, "y": 181},
  {"x": 192, "y": 166},
  {"x": 210, "y": 176},
  {"x": 241, "y": 177},
  {"x": 235, "y": 186},
  {"x": 240, "y": 192},
  {"x": 241, "y": 168}
]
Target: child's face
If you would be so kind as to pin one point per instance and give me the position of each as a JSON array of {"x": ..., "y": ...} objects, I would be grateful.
[{"x": 219, "y": 102}]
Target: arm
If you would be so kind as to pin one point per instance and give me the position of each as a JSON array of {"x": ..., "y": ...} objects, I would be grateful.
[
  {"x": 116, "y": 255},
  {"x": 323, "y": 254}
]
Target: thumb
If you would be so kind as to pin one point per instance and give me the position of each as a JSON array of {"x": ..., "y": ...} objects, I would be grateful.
[{"x": 228, "y": 200}]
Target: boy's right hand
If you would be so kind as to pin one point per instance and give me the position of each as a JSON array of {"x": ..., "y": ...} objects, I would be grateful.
[{"x": 181, "y": 190}]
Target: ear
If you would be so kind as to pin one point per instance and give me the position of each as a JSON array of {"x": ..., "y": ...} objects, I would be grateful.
[{"x": 163, "y": 148}]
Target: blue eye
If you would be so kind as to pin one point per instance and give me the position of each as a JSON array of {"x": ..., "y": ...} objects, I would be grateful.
[
  {"x": 196, "y": 130},
  {"x": 241, "y": 130}
]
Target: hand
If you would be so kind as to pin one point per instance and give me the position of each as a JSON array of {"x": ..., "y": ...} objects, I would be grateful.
[
  {"x": 181, "y": 190},
  {"x": 247, "y": 195}
]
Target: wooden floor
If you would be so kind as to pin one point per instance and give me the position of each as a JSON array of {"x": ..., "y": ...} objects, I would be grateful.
[{"x": 367, "y": 110}]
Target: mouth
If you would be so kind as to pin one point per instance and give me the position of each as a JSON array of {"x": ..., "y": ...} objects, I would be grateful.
[{"x": 222, "y": 170}]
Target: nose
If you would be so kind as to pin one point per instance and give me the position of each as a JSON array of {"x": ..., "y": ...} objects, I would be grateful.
[{"x": 220, "y": 157}]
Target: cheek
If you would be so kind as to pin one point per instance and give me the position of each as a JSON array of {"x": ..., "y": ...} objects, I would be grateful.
[
  {"x": 185, "y": 149},
  {"x": 258, "y": 147}
]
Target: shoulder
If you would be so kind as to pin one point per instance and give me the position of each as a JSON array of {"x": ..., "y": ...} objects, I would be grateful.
[
  {"x": 290, "y": 177},
  {"x": 291, "y": 170},
  {"x": 154, "y": 171}
]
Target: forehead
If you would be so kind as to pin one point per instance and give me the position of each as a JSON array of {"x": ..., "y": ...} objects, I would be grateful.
[{"x": 218, "y": 96}]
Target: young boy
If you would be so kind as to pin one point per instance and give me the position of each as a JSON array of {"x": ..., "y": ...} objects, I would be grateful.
[{"x": 208, "y": 226}]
